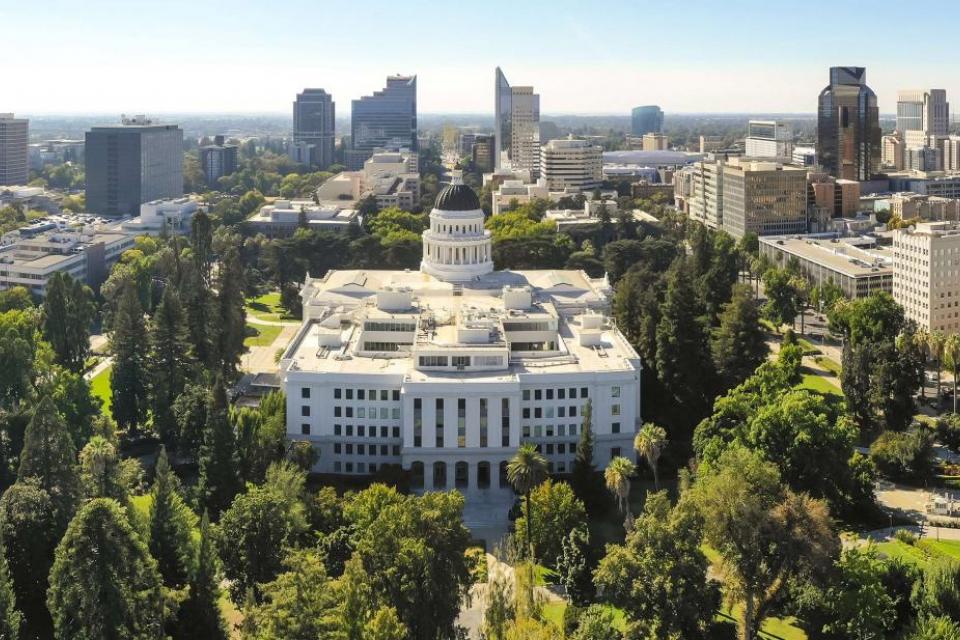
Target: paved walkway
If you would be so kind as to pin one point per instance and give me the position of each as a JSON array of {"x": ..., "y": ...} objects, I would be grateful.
[
  {"x": 103, "y": 364},
  {"x": 263, "y": 359},
  {"x": 252, "y": 319}
]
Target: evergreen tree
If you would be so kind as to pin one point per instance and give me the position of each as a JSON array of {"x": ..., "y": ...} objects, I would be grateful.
[
  {"x": 201, "y": 236},
  {"x": 219, "y": 464},
  {"x": 169, "y": 365},
  {"x": 738, "y": 344},
  {"x": 586, "y": 481},
  {"x": 199, "y": 615},
  {"x": 200, "y": 309},
  {"x": 190, "y": 412},
  {"x": 100, "y": 472},
  {"x": 68, "y": 310},
  {"x": 104, "y": 585},
  {"x": 231, "y": 315},
  {"x": 681, "y": 341},
  {"x": 48, "y": 455},
  {"x": 128, "y": 378},
  {"x": 169, "y": 527},
  {"x": 575, "y": 568},
  {"x": 10, "y": 617}
]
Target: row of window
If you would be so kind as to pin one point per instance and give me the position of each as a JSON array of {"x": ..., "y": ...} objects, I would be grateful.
[
  {"x": 372, "y": 395},
  {"x": 361, "y": 449},
  {"x": 372, "y": 413},
  {"x": 561, "y": 393}
]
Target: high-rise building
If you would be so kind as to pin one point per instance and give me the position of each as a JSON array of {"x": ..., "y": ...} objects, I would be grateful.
[
  {"x": 766, "y": 198},
  {"x": 892, "y": 153},
  {"x": 926, "y": 111},
  {"x": 217, "y": 160},
  {"x": 131, "y": 163},
  {"x": 925, "y": 281},
  {"x": 385, "y": 120},
  {"x": 569, "y": 164},
  {"x": 483, "y": 153},
  {"x": 313, "y": 124},
  {"x": 517, "y": 125},
  {"x": 647, "y": 119},
  {"x": 769, "y": 139},
  {"x": 848, "y": 126},
  {"x": 14, "y": 167}
]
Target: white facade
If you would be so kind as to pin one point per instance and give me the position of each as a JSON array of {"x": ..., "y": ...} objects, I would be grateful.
[
  {"x": 926, "y": 274},
  {"x": 446, "y": 377},
  {"x": 284, "y": 216},
  {"x": 525, "y": 142},
  {"x": 769, "y": 139},
  {"x": 171, "y": 216},
  {"x": 571, "y": 165}
]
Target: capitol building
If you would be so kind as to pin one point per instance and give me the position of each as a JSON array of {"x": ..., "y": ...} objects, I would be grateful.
[{"x": 447, "y": 370}]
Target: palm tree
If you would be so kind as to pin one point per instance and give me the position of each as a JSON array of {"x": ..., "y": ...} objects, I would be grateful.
[
  {"x": 937, "y": 342},
  {"x": 526, "y": 470},
  {"x": 951, "y": 355},
  {"x": 650, "y": 441},
  {"x": 617, "y": 476},
  {"x": 921, "y": 341}
]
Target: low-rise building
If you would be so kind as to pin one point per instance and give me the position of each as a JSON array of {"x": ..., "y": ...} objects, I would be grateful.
[
  {"x": 390, "y": 177},
  {"x": 927, "y": 274},
  {"x": 172, "y": 216},
  {"x": 907, "y": 206},
  {"x": 516, "y": 191},
  {"x": 81, "y": 246},
  {"x": 655, "y": 142},
  {"x": 858, "y": 271},
  {"x": 283, "y": 217}
]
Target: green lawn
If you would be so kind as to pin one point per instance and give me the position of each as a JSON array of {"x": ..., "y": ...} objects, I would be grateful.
[
  {"x": 553, "y": 612},
  {"x": 924, "y": 552},
  {"x": 267, "y": 307},
  {"x": 261, "y": 335},
  {"x": 829, "y": 364},
  {"x": 820, "y": 385},
  {"x": 100, "y": 387},
  {"x": 808, "y": 347}
]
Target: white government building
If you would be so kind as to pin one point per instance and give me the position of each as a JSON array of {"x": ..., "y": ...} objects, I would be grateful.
[{"x": 447, "y": 370}]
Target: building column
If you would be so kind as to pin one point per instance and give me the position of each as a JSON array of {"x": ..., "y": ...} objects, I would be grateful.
[{"x": 472, "y": 485}]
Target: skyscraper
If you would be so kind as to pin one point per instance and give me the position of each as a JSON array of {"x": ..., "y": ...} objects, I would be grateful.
[
  {"x": 648, "y": 119},
  {"x": 848, "y": 126},
  {"x": 516, "y": 125},
  {"x": 387, "y": 120},
  {"x": 13, "y": 150},
  {"x": 926, "y": 111},
  {"x": 132, "y": 163},
  {"x": 217, "y": 160},
  {"x": 313, "y": 124}
]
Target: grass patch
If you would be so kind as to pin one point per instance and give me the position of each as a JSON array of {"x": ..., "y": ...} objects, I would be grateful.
[
  {"x": 922, "y": 553},
  {"x": 261, "y": 335},
  {"x": 782, "y": 628},
  {"x": 544, "y": 576},
  {"x": 267, "y": 307},
  {"x": 552, "y": 612},
  {"x": 808, "y": 347},
  {"x": 819, "y": 384},
  {"x": 100, "y": 388},
  {"x": 828, "y": 364}
]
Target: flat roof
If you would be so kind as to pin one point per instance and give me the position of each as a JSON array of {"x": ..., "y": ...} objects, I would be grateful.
[{"x": 835, "y": 254}]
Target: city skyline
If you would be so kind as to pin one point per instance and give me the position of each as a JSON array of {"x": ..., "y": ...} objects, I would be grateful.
[{"x": 238, "y": 66}]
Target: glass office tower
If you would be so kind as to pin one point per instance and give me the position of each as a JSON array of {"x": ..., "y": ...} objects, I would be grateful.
[
  {"x": 647, "y": 119},
  {"x": 848, "y": 126}
]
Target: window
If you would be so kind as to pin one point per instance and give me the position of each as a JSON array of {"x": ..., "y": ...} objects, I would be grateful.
[
  {"x": 360, "y": 449},
  {"x": 561, "y": 430},
  {"x": 549, "y": 430},
  {"x": 573, "y": 411},
  {"x": 561, "y": 394},
  {"x": 337, "y": 429},
  {"x": 396, "y": 449},
  {"x": 525, "y": 412},
  {"x": 383, "y": 395},
  {"x": 349, "y": 449},
  {"x": 549, "y": 449},
  {"x": 337, "y": 411},
  {"x": 361, "y": 394},
  {"x": 549, "y": 413},
  {"x": 305, "y": 429},
  {"x": 583, "y": 392},
  {"x": 483, "y": 422},
  {"x": 396, "y": 432},
  {"x": 460, "y": 362},
  {"x": 549, "y": 394},
  {"x": 614, "y": 452},
  {"x": 349, "y": 467},
  {"x": 305, "y": 411},
  {"x": 538, "y": 431},
  {"x": 349, "y": 430},
  {"x": 361, "y": 430},
  {"x": 438, "y": 425},
  {"x": 372, "y": 394},
  {"x": 461, "y": 422},
  {"x": 526, "y": 430},
  {"x": 336, "y": 466},
  {"x": 361, "y": 412},
  {"x": 526, "y": 394},
  {"x": 562, "y": 448},
  {"x": 337, "y": 393},
  {"x": 573, "y": 429},
  {"x": 396, "y": 395},
  {"x": 417, "y": 422},
  {"x": 538, "y": 412},
  {"x": 395, "y": 414},
  {"x": 615, "y": 410},
  {"x": 561, "y": 412},
  {"x": 384, "y": 432},
  {"x": 537, "y": 394},
  {"x": 433, "y": 361},
  {"x": 384, "y": 413},
  {"x": 572, "y": 393},
  {"x": 504, "y": 422},
  {"x": 615, "y": 392},
  {"x": 337, "y": 447},
  {"x": 305, "y": 393},
  {"x": 349, "y": 394},
  {"x": 615, "y": 427},
  {"x": 349, "y": 412}
]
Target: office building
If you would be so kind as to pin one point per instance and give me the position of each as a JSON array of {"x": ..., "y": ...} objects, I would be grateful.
[
  {"x": 766, "y": 198},
  {"x": 927, "y": 111},
  {"x": 386, "y": 120},
  {"x": 804, "y": 156},
  {"x": 282, "y": 218},
  {"x": 926, "y": 274},
  {"x": 516, "y": 192},
  {"x": 314, "y": 115},
  {"x": 171, "y": 217},
  {"x": 571, "y": 165},
  {"x": 909, "y": 206},
  {"x": 218, "y": 160},
  {"x": 483, "y": 153},
  {"x": 769, "y": 139},
  {"x": 647, "y": 119},
  {"x": 516, "y": 125},
  {"x": 930, "y": 183},
  {"x": 77, "y": 245},
  {"x": 832, "y": 197},
  {"x": 950, "y": 149},
  {"x": 390, "y": 178},
  {"x": 848, "y": 126},
  {"x": 859, "y": 271},
  {"x": 445, "y": 372},
  {"x": 921, "y": 158},
  {"x": 14, "y": 163},
  {"x": 655, "y": 142},
  {"x": 710, "y": 144},
  {"x": 54, "y": 152},
  {"x": 132, "y": 163},
  {"x": 892, "y": 155}
]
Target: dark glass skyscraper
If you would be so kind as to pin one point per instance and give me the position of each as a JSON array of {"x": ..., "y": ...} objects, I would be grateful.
[
  {"x": 848, "y": 126},
  {"x": 387, "y": 119},
  {"x": 503, "y": 108},
  {"x": 644, "y": 120},
  {"x": 313, "y": 124}
]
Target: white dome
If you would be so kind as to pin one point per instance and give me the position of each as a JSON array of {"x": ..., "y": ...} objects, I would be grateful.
[{"x": 457, "y": 247}]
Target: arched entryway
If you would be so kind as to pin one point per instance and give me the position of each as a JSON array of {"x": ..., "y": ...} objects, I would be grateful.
[
  {"x": 483, "y": 475},
  {"x": 461, "y": 473},
  {"x": 416, "y": 475},
  {"x": 440, "y": 475}
]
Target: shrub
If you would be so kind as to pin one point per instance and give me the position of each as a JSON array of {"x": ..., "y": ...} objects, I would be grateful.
[
  {"x": 948, "y": 431},
  {"x": 903, "y": 455}
]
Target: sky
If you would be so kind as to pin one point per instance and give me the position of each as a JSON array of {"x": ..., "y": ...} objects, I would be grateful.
[{"x": 601, "y": 57}]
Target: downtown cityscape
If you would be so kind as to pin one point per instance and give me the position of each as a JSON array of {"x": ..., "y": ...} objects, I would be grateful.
[{"x": 538, "y": 346}]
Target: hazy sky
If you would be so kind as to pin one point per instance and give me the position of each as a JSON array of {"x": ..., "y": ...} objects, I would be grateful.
[{"x": 71, "y": 56}]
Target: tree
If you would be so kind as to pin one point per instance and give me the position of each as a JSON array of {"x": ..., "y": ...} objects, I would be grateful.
[
  {"x": 526, "y": 470},
  {"x": 68, "y": 310},
  {"x": 782, "y": 297},
  {"x": 904, "y": 455},
  {"x": 649, "y": 442},
  {"x": 738, "y": 344},
  {"x": 104, "y": 584},
  {"x": 128, "y": 377},
  {"x": 201, "y": 237},
  {"x": 587, "y": 482},
  {"x": 764, "y": 534},
  {"x": 10, "y": 617},
  {"x": 681, "y": 341},
  {"x": 558, "y": 512},
  {"x": 218, "y": 482},
  {"x": 617, "y": 478},
  {"x": 937, "y": 343},
  {"x": 169, "y": 526},
  {"x": 169, "y": 364},
  {"x": 659, "y": 575},
  {"x": 231, "y": 315},
  {"x": 100, "y": 471},
  {"x": 29, "y": 532},
  {"x": 872, "y": 319},
  {"x": 190, "y": 412},
  {"x": 951, "y": 356},
  {"x": 575, "y": 568},
  {"x": 939, "y": 628},
  {"x": 937, "y": 593},
  {"x": 48, "y": 455},
  {"x": 596, "y": 623},
  {"x": 199, "y": 615}
]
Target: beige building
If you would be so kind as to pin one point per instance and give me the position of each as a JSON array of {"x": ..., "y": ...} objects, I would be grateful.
[
  {"x": 571, "y": 165},
  {"x": 766, "y": 198},
  {"x": 709, "y": 144},
  {"x": 655, "y": 142},
  {"x": 698, "y": 191},
  {"x": 832, "y": 197},
  {"x": 915, "y": 205},
  {"x": 891, "y": 151},
  {"x": 926, "y": 274}
]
